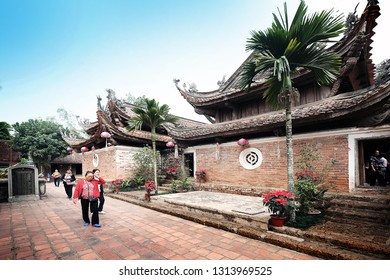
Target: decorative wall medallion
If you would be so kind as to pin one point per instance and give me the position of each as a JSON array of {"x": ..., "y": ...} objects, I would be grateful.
[
  {"x": 251, "y": 158},
  {"x": 95, "y": 160}
]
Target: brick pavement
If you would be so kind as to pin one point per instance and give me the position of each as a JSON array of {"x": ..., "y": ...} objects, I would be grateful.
[{"x": 52, "y": 228}]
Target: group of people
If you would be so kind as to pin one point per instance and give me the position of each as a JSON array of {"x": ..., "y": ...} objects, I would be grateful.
[
  {"x": 89, "y": 191},
  {"x": 378, "y": 169}
]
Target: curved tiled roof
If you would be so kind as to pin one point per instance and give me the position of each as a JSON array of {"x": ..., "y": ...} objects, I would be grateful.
[
  {"x": 113, "y": 119},
  {"x": 355, "y": 42},
  {"x": 326, "y": 110}
]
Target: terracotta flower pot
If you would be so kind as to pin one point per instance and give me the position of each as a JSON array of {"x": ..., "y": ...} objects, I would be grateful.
[{"x": 278, "y": 221}]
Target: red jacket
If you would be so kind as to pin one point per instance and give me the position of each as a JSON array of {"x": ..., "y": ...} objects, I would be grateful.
[
  {"x": 96, "y": 183},
  {"x": 79, "y": 189}
]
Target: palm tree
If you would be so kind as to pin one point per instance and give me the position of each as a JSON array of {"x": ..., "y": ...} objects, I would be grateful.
[
  {"x": 151, "y": 114},
  {"x": 283, "y": 50}
]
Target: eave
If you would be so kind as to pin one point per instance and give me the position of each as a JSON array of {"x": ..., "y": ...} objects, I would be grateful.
[{"x": 354, "y": 107}]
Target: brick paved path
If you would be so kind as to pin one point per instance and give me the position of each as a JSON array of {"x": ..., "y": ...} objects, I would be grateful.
[{"x": 52, "y": 228}]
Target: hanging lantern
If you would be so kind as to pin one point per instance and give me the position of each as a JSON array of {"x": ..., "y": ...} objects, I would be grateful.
[
  {"x": 170, "y": 144},
  {"x": 243, "y": 142},
  {"x": 84, "y": 149},
  {"x": 69, "y": 149},
  {"x": 106, "y": 135}
]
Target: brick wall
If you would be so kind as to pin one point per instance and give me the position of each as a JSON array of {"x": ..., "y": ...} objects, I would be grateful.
[
  {"x": 114, "y": 162},
  {"x": 227, "y": 172}
]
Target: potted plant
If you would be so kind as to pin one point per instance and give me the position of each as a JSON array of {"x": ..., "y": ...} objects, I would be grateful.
[
  {"x": 281, "y": 204},
  {"x": 201, "y": 175},
  {"x": 117, "y": 183},
  {"x": 149, "y": 186}
]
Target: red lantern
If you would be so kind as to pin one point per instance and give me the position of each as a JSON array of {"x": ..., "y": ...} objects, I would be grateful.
[
  {"x": 105, "y": 134},
  {"x": 243, "y": 142},
  {"x": 69, "y": 149},
  {"x": 170, "y": 144},
  {"x": 84, "y": 149}
]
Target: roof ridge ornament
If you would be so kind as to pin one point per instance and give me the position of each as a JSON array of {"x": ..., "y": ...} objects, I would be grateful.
[
  {"x": 191, "y": 88},
  {"x": 373, "y": 2},
  {"x": 351, "y": 20},
  {"x": 222, "y": 82}
]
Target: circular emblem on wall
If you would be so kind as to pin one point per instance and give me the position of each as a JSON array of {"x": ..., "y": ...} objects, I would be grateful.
[
  {"x": 251, "y": 158},
  {"x": 95, "y": 160}
]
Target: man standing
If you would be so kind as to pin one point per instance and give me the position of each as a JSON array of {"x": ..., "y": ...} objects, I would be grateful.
[
  {"x": 378, "y": 167},
  {"x": 57, "y": 178}
]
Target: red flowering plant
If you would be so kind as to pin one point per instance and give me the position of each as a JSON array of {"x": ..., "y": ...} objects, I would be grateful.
[
  {"x": 201, "y": 173},
  {"x": 149, "y": 186},
  {"x": 279, "y": 202},
  {"x": 171, "y": 171},
  {"x": 117, "y": 182}
]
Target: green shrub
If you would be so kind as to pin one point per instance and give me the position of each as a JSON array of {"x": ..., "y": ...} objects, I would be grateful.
[
  {"x": 307, "y": 193},
  {"x": 3, "y": 172}
]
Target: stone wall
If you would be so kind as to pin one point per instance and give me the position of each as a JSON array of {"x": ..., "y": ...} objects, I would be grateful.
[
  {"x": 225, "y": 172},
  {"x": 114, "y": 162}
]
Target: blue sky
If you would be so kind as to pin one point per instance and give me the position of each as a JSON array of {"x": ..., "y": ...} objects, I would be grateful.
[{"x": 63, "y": 53}]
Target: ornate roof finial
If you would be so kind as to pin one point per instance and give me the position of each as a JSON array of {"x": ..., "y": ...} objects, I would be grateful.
[
  {"x": 351, "y": 20},
  {"x": 222, "y": 82},
  {"x": 191, "y": 88},
  {"x": 111, "y": 94},
  {"x": 373, "y": 2},
  {"x": 99, "y": 104}
]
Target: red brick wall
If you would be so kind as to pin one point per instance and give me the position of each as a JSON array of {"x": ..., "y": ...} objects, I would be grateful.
[
  {"x": 114, "y": 162},
  {"x": 272, "y": 173}
]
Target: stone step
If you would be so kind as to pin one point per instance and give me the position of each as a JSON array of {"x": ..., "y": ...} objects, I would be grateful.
[
  {"x": 377, "y": 217},
  {"x": 320, "y": 248},
  {"x": 360, "y": 204},
  {"x": 375, "y": 209},
  {"x": 361, "y": 238}
]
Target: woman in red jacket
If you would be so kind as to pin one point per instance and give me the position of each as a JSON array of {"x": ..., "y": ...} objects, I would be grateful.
[{"x": 88, "y": 193}]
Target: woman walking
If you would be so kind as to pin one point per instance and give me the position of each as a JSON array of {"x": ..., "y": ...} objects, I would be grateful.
[
  {"x": 69, "y": 180},
  {"x": 88, "y": 193},
  {"x": 99, "y": 181}
]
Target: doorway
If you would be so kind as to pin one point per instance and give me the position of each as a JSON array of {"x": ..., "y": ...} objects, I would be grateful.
[
  {"x": 366, "y": 149},
  {"x": 189, "y": 163}
]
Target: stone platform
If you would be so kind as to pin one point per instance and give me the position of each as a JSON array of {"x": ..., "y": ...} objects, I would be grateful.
[{"x": 245, "y": 215}]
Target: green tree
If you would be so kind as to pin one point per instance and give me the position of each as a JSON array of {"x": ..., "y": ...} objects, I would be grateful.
[
  {"x": 5, "y": 129},
  {"x": 39, "y": 139},
  {"x": 153, "y": 116},
  {"x": 284, "y": 50}
]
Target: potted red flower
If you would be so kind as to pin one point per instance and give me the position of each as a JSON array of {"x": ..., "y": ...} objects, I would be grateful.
[
  {"x": 201, "y": 175},
  {"x": 149, "y": 186},
  {"x": 117, "y": 183},
  {"x": 280, "y": 203}
]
